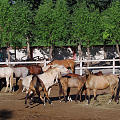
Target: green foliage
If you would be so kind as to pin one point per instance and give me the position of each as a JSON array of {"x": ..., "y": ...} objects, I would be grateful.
[
  {"x": 51, "y": 23},
  {"x": 110, "y": 22},
  {"x": 85, "y": 26},
  {"x": 59, "y": 23},
  {"x": 15, "y": 23}
]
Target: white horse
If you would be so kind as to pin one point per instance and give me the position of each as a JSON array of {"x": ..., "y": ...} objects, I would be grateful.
[
  {"x": 24, "y": 83},
  {"x": 7, "y": 72},
  {"x": 50, "y": 77},
  {"x": 20, "y": 71}
]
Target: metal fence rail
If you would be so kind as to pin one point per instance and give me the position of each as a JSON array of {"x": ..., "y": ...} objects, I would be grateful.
[{"x": 80, "y": 62}]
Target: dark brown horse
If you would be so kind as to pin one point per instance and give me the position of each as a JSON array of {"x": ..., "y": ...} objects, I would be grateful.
[{"x": 68, "y": 63}]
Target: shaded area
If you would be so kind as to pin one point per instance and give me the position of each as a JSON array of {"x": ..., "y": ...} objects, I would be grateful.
[{"x": 5, "y": 114}]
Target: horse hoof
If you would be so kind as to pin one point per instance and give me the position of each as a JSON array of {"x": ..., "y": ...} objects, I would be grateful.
[{"x": 109, "y": 101}]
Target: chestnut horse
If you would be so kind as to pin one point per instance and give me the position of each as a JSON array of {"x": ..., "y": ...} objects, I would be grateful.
[
  {"x": 95, "y": 82},
  {"x": 68, "y": 63}
]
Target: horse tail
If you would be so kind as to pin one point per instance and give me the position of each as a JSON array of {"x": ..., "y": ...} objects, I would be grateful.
[
  {"x": 117, "y": 91},
  {"x": 38, "y": 82},
  {"x": 20, "y": 86}
]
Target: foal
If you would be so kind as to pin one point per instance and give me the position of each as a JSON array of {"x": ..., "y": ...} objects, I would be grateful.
[{"x": 36, "y": 86}]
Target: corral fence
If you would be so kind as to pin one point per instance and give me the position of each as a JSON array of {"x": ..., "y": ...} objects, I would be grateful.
[{"x": 81, "y": 68}]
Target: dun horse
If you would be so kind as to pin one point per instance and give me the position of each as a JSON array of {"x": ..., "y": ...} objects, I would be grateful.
[
  {"x": 101, "y": 82},
  {"x": 72, "y": 81}
]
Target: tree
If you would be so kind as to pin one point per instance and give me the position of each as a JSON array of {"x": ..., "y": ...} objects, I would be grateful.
[
  {"x": 15, "y": 23},
  {"x": 110, "y": 24},
  {"x": 85, "y": 27},
  {"x": 51, "y": 24}
]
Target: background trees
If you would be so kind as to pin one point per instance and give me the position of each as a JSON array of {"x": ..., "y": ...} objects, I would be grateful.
[{"x": 60, "y": 23}]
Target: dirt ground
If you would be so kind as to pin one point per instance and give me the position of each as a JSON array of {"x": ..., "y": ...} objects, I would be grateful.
[{"x": 12, "y": 108}]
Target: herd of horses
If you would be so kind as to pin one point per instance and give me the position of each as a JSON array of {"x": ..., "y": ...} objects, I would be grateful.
[{"x": 34, "y": 79}]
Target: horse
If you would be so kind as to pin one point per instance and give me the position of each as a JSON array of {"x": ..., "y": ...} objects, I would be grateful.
[
  {"x": 36, "y": 86},
  {"x": 50, "y": 78},
  {"x": 101, "y": 82},
  {"x": 20, "y": 71},
  {"x": 68, "y": 63},
  {"x": 24, "y": 83},
  {"x": 7, "y": 72},
  {"x": 33, "y": 69},
  {"x": 71, "y": 81},
  {"x": 98, "y": 73}
]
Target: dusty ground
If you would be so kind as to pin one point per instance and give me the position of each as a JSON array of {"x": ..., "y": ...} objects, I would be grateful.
[{"x": 12, "y": 108}]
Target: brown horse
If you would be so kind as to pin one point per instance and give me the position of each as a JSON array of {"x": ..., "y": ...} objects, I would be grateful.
[
  {"x": 71, "y": 81},
  {"x": 36, "y": 86},
  {"x": 101, "y": 82},
  {"x": 68, "y": 63},
  {"x": 33, "y": 69}
]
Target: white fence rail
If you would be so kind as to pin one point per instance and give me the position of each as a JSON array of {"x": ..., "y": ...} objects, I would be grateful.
[
  {"x": 80, "y": 62},
  {"x": 113, "y": 67}
]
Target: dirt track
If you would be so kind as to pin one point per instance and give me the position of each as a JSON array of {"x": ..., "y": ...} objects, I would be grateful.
[{"x": 12, "y": 108}]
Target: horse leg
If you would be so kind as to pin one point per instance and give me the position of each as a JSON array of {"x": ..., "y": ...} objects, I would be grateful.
[
  {"x": 28, "y": 95},
  {"x": 7, "y": 82},
  {"x": 49, "y": 91},
  {"x": 46, "y": 94},
  {"x": 60, "y": 91},
  {"x": 95, "y": 98},
  {"x": 112, "y": 94},
  {"x": 77, "y": 95},
  {"x": 11, "y": 81},
  {"x": 117, "y": 93},
  {"x": 88, "y": 95},
  {"x": 68, "y": 94}
]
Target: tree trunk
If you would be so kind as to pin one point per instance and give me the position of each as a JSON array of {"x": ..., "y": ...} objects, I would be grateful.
[
  {"x": 8, "y": 53},
  {"x": 50, "y": 53},
  {"x": 105, "y": 54},
  {"x": 118, "y": 49},
  {"x": 79, "y": 51},
  {"x": 28, "y": 49},
  {"x": 88, "y": 52}
]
